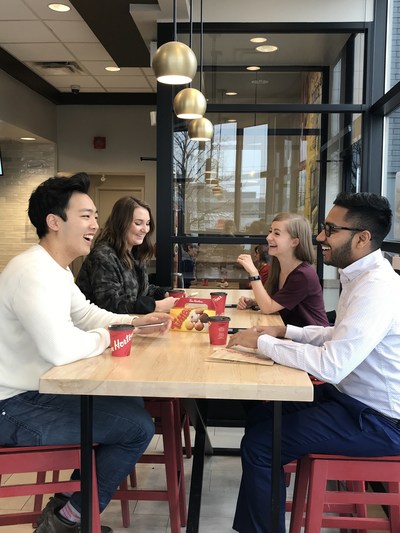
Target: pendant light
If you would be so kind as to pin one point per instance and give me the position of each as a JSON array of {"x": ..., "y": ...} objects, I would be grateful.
[
  {"x": 190, "y": 103},
  {"x": 174, "y": 63},
  {"x": 201, "y": 129}
]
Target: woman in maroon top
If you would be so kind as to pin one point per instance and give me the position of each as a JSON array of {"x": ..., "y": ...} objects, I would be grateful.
[{"x": 293, "y": 288}]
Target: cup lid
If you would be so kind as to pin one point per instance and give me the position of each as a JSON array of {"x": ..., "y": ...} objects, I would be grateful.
[
  {"x": 121, "y": 327},
  {"x": 219, "y": 293},
  {"x": 219, "y": 318}
]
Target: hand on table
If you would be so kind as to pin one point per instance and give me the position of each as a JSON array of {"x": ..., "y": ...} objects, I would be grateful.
[
  {"x": 245, "y": 302},
  {"x": 164, "y": 305},
  {"x": 154, "y": 318},
  {"x": 249, "y": 337}
]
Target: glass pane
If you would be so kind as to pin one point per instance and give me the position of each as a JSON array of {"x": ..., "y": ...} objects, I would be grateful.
[
  {"x": 235, "y": 72},
  {"x": 391, "y": 178},
  {"x": 393, "y": 45},
  {"x": 253, "y": 168}
]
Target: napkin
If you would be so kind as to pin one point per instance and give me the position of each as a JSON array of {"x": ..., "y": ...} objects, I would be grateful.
[{"x": 238, "y": 354}]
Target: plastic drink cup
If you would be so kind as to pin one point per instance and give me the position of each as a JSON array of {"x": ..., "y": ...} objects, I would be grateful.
[
  {"x": 218, "y": 329},
  {"x": 120, "y": 339},
  {"x": 219, "y": 299},
  {"x": 177, "y": 293}
]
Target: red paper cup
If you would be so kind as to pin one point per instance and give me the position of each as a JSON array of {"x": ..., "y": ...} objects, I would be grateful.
[
  {"x": 120, "y": 339},
  {"x": 177, "y": 293},
  {"x": 218, "y": 329},
  {"x": 219, "y": 299}
]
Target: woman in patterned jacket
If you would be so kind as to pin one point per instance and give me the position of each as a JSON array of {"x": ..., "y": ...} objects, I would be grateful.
[{"x": 114, "y": 274}]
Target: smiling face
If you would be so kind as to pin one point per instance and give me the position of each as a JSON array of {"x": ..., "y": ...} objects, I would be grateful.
[
  {"x": 339, "y": 249},
  {"x": 280, "y": 242},
  {"x": 73, "y": 237},
  {"x": 139, "y": 227}
]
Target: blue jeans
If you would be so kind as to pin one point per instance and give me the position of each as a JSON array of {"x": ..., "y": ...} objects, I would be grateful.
[
  {"x": 333, "y": 423},
  {"x": 121, "y": 426}
]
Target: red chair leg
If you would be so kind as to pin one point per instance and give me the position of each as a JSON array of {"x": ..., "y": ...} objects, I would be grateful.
[{"x": 42, "y": 459}]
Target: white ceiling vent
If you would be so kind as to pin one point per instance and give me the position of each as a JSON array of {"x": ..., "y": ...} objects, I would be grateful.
[{"x": 58, "y": 68}]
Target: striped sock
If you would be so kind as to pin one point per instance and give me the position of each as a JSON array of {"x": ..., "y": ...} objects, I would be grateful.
[{"x": 70, "y": 514}]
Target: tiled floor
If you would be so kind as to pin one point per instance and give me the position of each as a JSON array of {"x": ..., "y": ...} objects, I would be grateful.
[{"x": 221, "y": 482}]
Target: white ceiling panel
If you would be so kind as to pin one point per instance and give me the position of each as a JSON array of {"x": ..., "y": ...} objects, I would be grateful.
[
  {"x": 41, "y": 9},
  {"x": 65, "y": 82},
  {"x": 39, "y": 52},
  {"x": 24, "y": 31},
  {"x": 97, "y": 68},
  {"x": 15, "y": 10},
  {"x": 72, "y": 31},
  {"x": 124, "y": 81},
  {"x": 89, "y": 52}
]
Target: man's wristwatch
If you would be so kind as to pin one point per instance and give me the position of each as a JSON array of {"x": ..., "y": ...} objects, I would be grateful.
[{"x": 254, "y": 278}]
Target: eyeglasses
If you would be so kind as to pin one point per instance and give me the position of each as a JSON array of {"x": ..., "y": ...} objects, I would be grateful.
[{"x": 328, "y": 228}]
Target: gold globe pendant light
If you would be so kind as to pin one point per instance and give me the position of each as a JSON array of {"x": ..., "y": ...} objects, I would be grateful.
[
  {"x": 190, "y": 103},
  {"x": 201, "y": 129},
  {"x": 174, "y": 63}
]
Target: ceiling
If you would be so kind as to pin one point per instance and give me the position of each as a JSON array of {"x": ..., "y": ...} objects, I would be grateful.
[{"x": 63, "y": 56}]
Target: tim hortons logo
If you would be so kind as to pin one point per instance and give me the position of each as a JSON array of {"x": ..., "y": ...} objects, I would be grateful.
[{"x": 119, "y": 344}]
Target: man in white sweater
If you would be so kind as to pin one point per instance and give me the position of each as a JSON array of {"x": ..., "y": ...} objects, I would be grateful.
[{"x": 44, "y": 321}]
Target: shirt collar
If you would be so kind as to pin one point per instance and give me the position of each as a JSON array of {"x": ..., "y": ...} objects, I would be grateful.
[{"x": 369, "y": 262}]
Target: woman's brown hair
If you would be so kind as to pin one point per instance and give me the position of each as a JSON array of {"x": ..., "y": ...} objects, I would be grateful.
[{"x": 117, "y": 226}]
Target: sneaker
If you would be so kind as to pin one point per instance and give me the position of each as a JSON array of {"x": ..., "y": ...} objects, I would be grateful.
[
  {"x": 52, "y": 524},
  {"x": 55, "y": 502}
]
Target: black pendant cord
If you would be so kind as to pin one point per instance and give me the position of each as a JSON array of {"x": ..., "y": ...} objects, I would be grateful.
[
  {"x": 175, "y": 24},
  {"x": 201, "y": 46}
]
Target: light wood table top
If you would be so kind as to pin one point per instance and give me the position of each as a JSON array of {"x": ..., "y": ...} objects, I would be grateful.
[{"x": 174, "y": 365}]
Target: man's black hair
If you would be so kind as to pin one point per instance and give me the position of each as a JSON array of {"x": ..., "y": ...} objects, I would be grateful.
[
  {"x": 367, "y": 211},
  {"x": 52, "y": 197}
]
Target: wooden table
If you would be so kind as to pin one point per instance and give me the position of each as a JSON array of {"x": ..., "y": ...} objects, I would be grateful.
[{"x": 174, "y": 365}]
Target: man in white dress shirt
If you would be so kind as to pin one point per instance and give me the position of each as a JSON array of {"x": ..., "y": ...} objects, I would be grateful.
[{"x": 357, "y": 410}]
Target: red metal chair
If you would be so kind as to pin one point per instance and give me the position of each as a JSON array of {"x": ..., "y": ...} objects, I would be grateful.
[
  {"x": 41, "y": 459},
  {"x": 312, "y": 496},
  {"x": 167, "y": 416}
]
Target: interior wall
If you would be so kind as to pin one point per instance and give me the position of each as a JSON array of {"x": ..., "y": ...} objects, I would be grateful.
[
  {"x": 26, "y": 109},
  {"x": 26, "y": 165},
  {"x": 129, "y": 136}
]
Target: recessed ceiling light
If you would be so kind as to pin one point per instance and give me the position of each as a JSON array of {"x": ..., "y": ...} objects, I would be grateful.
[
  {"x": 231, "y": 93},
  {"x": 267, "y": 48},
  {"x": 253, "y": 67},
  {"x": 231, "y": 120},
  {"x": 28, "y": 139},
  {"x": 60, "y": 8},
  {"x": 258, "y": 40},
  {"x": 112, "y": 69}
]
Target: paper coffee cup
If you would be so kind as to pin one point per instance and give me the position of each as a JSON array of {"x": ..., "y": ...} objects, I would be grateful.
[
  {"x": 120, "y": 339},
  {"x": 218, "y": 329},
  {"x": 219, "y": 299},
  {"x": 177, "y": 293}
]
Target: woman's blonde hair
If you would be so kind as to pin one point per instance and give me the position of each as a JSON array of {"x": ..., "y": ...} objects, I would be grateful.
[{"x": 298, "y": 227}]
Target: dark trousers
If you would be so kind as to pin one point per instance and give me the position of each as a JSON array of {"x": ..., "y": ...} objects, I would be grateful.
[
  {"x": 333, "y": 423},
  {"x": 121, "y": 426}
]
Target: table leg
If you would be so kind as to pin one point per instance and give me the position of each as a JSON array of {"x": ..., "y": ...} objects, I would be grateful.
[
  {"x": 276, "y": 465},
  {"x": 86, "y": 462},
  {"x": 197, "y": 410}
]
